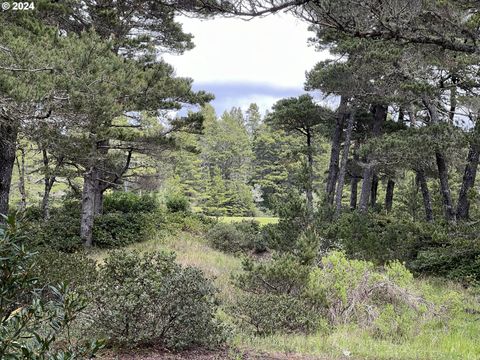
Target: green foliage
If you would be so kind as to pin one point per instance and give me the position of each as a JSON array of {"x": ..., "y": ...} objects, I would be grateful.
[
  {"x": 236, "y": 237},
  {"x": 376, "y": 237},
  {"x": 127, "y": 218},
  {"x": 150, "y": 299},
  {"x": 177, "y": 203},
  {"x": 129, "y": 202},
  {"x": 31, "y": 328},
  {"x": 272, "y": 300},
  {"x": 52, "y": 267}
]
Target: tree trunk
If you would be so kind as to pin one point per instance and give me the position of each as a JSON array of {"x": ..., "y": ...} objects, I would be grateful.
[
  {"x": 354, "y": 192},
  {"x": 309, "y": 185},
  {"x": 441, "y": 166},
  {"x": 343, "y": 165},
  {"x": 99, "y": 200},
  {"x": 469, "y": 176},
  {"x": 355, "y": 179},
  {"x": 374, "y": 190},
  {"x": 335, "y": 152},
  {"x": 8, "y": 141},
  {"x": 427, "y": 202},
  {"x": 21, "y": 178},
  {"x": 48, "y": 181},
  {"x": 389, "y": 195},
  {"x": 379, "y": 117},
  {"x": 88, "y": 206},
  {"x": 444, "y": 187}
]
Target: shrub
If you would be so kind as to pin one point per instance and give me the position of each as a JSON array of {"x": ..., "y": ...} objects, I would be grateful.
[
  {"x": 337, "y": 291},
  {"x": 129, "y": 202},
  {"x": 354, "y": 291},
  {"x": 29, "y": 326},
  {"x": 273, "y": 298},
  {"x": 117, "y": 229},
  {"x": 60, "y": 232},
  {"x": 53, "y": 267},
  {"x": 235, "y": 237},
  {"x": 151, "y": 299},
  {"x": 127, "y": 218},
  {"x": 177, "y": 203},
  {"x": 377, "y": 238}
]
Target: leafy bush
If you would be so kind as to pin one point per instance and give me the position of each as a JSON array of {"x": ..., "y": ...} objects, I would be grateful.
[
  {"x": 335, "y": 291},
  {"x": 127, "y": 218},
  {"x": 235, "y": 237},
  {"x": 60, "y": 232},
  {"x": 31, "y": 328},
  {"x": 117, "y": 229},
  {"x": 377, "y": 238},
  {"x": 53, "y": 267},
  {"x": 177, "y": 203},
  {"x": 151, "y": 299},
  {"x": 129, "y": 202},
  {"x": 453, "y": 253},
  {"x": 273, "y": 298}
]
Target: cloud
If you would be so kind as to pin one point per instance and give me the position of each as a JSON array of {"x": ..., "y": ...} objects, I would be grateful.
[{"x": 271, "y": 50}]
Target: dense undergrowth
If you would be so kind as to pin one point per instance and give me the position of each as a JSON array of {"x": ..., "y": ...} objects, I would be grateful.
[{"x": 327, "y": 289}]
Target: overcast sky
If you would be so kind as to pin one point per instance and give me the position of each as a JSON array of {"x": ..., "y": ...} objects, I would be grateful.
[{"x": 260, "y": 60}]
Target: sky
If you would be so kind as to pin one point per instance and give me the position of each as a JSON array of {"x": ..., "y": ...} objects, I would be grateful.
[{"x": 260, "y": 60}]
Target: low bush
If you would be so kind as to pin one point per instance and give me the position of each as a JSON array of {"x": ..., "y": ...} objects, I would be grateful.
[
  {"x": 177, "y": 203},
  {"x": 150, "y": 299},
  {"x": 30, "y": 327},
  {"x": 129, "y": 202},
  {"x": 236, "y": 237},
  {"x": 52, "y": 267},
  {"x": 127, "y": 218},
  {"x": 334, "y": 291}
]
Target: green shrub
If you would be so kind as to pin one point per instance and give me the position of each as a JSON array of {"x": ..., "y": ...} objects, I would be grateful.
[
  {"x": 235, "y": 237},
  {"x": 266, "y": 314},
  {"x": 335, "y": 291},
  {"x": 177, "y": 203},
  {"x": 377, "y": 238},
  {"x": 116, "y": 229},
  {"x": 457, "y": 257},
  {"x": 151, "y": 299},
  {"x": 31, "y": 328},
  {"x": 129, "y": 202},
  {"x": 53, "y": 267},
  {"x": 273, "y": 300},
  {"x": 60, "y": 232},
  {"x": 127, "y": 218}
]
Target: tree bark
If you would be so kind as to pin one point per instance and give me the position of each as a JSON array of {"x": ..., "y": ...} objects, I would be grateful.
[
  {"x": 374, "y": 190},
  {"x": 354, "y": 180},
  {"x": 389, "y": 195},
  {"x": 88, "y": 206},
  {"x": 427, "y": 202},
  {"x": 343, "y": 165},
  {"x": 8, "y": 141},
  {"x": 441, "y": 166},
  {"x": 21, "y": 178},
  {"x": 379, "y": 117},
  {"x": 333, "y": 168},
  {"x": 48, "y": 181},
  {"x": 469, "y": 175},
  {"x": 99, "y": 199},
  {"x": 309, "y": 185}
]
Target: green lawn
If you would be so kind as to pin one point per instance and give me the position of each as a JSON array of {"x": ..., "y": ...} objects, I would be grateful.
[{"x": 262, "y": 220}]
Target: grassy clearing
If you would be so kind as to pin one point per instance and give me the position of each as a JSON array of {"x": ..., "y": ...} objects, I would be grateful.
[
  {"x": 192, "y": 250},
  {"x": 261, "y": 220},
  {"x": 457, "y": 337}
]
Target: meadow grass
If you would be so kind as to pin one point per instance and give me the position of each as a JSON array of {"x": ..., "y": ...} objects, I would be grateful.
[
  {"x": 456, "y": 337},
  {"x": 261, "y": 220}
]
